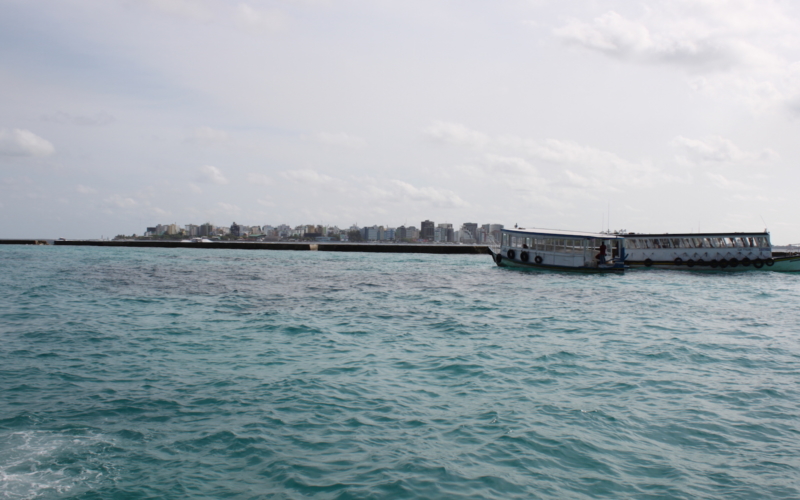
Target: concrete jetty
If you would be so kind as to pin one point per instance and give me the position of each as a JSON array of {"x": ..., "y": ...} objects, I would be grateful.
[
  {"x": 301, "y": 246},
  {"x": 23, "y": 242}
]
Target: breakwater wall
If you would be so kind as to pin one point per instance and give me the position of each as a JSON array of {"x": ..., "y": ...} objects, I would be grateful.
[
  {"x": 320, "y": 247},
  {"x": 23, "y": 242}
]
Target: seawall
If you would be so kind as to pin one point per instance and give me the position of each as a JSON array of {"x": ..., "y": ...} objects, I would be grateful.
[
  {"x": 23, "y": 242},
  {"x": 321, "y": 247}
]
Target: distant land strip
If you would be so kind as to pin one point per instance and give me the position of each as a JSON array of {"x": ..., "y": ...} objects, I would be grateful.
[{"x": 321, "y": 247}]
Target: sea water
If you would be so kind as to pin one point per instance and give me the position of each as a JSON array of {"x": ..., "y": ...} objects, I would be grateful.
[{"x": 198, "y": 373}]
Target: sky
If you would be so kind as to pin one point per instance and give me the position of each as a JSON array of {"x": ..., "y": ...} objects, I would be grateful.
[{"x": 658, "y": 116}]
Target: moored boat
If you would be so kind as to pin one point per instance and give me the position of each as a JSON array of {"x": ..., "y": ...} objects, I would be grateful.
[
  {"x": 707, "y": 252},
  {"x": 556, "y": 250}
]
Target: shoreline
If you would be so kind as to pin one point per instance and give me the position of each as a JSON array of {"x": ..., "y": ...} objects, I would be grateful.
[{"x": 296, "y": 246}]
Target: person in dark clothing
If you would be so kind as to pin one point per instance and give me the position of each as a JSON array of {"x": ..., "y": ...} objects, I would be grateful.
[{"x": 601, "y": 255}]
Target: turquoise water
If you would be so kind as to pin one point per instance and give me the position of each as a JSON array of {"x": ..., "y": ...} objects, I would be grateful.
[{"x": 167, "y": 373}]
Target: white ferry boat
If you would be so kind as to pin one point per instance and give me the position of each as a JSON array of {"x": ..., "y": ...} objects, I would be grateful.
[
  {"x": 707, "y": 251},
  {"x": 555, "y": 250}
]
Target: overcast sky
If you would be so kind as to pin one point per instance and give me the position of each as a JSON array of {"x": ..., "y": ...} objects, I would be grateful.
[{"x": 671, "y": 116}]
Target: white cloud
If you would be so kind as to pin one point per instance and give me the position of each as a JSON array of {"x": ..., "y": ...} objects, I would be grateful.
[
  {"x": 308, "y": 176},
  {"x": 729, "y": 49},
  {"x": 85, "y": 189},
  {"x": 212, "y": 174},
  {"x": 442, "y": 198},
  {"x": 195, "y": 188},
  {"x": 455, "y": 133},
  {"x": 259, "y": 19},
  {"x": 716, "y": 150},
  {"x": 341, "y": 140},
  {"x": 259, "y": 179},
  {"x": 18, "y": 142},
  {"x": 121, "y": 201},
  {"x": 617, "y": 36},
  {"x": 724, "y": 183},
  {"x": 228, "y": 209}
]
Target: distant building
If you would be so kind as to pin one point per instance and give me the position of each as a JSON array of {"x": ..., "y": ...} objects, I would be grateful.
[
  {"x": 469, "y": 232},
  {"x": 206, "y": 229},
  {"x": 426, "y": 230},
  {"x": 447, "y": 235},
  {"x": 237, "y": 230},
  {"x": 373, "y": 233}
]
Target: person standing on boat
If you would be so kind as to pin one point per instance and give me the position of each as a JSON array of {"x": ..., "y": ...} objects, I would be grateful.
[{"x": 601, "y": 255}]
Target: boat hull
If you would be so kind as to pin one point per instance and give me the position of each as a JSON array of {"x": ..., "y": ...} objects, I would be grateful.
[
  {"x": 788, "y": 264},
  {"x": 532, "y": 266}
]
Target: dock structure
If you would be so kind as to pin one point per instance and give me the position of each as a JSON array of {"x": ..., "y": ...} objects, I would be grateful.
[
  {"x": 23, "y": 242},
  {"x": 298, "y": 246}
]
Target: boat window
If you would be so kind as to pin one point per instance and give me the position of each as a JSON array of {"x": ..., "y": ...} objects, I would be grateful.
[{"x": 570, "y": 246}]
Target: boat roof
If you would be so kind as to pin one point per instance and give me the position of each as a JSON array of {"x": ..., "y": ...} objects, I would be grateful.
[
  {"x": 694, "y": 235},
  {"x": 559, "y": 233}
]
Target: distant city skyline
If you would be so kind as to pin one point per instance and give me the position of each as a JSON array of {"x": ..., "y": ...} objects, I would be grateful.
[
  {"x": 662, "y": 116},
  {"x": 445, "y": 232}
]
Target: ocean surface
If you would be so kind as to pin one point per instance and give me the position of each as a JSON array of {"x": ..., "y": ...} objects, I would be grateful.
[{"x": 166, "y": 373}]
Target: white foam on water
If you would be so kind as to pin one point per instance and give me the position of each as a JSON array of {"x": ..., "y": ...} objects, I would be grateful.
[{"x": 35, "y": 464}]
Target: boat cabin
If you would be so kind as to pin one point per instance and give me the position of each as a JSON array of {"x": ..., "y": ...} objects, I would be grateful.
[
  {"x": 702, "y": 248},
  {"x": 556, "y": 249}
]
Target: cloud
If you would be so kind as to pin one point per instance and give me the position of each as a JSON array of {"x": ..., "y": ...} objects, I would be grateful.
[
  {"x": 228, "y": 209},
  {"x": 716, "y": 150},
  {"x": 308, "y": 176},
  {"x": 259, "y": 179},
  {"x": 208, "y": 135},
  {"x": 726, "y": 184},
  {"x": 259, "y": 19},
  {"x": 195, "y": 188},
  {"x": 121, "y": 201},
  {"x": 96, "y": 120},
  {"x": 619, "y": 37},
  {"x": 729, "y": 49},
  {"x": 19, "y": 142},
  {"x": 212, "y": 174},
  {"x": 85, "y": 189},
  {"x": 341, "y": 140},
  {"x": 455, "y": 133},
  {"x": 437, "y": 197}
]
